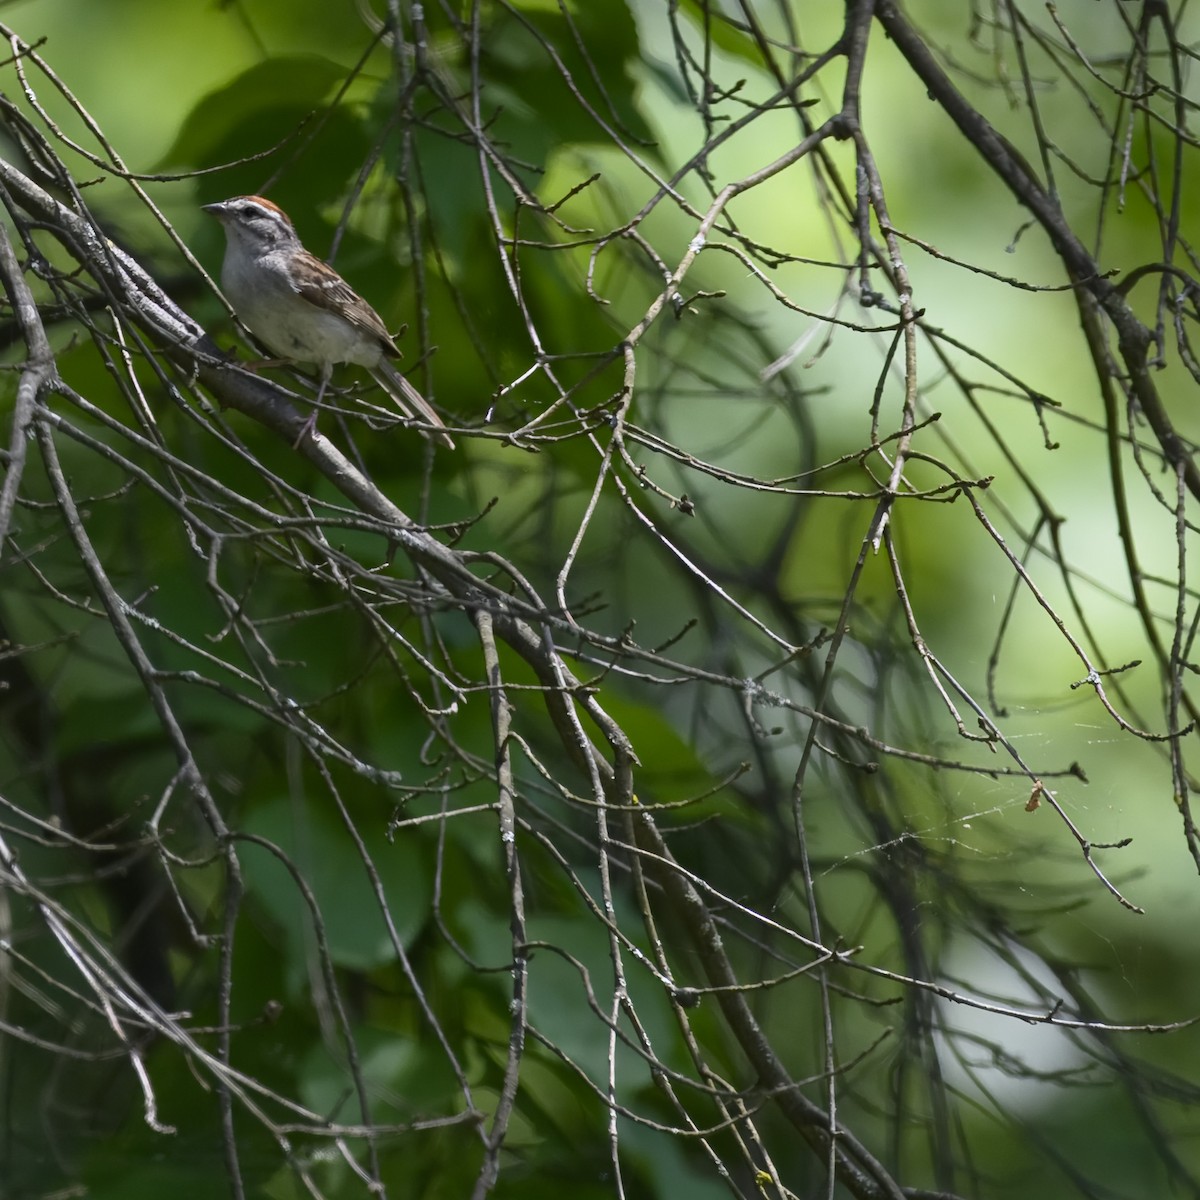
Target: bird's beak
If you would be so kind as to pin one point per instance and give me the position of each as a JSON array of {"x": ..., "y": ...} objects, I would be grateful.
[{"x": 217, "y": 210}]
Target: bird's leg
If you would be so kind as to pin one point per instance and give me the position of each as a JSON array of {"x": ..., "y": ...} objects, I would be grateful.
[
  {"x": 310, "y": 426},
  {"x": 254, "y": 365}
]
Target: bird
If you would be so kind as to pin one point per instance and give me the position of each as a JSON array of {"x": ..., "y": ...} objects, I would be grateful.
[{"x": 302, "y": 310}]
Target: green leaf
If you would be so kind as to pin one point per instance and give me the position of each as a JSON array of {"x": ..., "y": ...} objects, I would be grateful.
[
  {"x": 296, "y": 86},
  {"x": 573, "y": 98},
  {"x": 723, "y": 34},
  {"x": 324, "y": 853}
]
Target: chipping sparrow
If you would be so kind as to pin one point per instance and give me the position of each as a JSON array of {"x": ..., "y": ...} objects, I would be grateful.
[{"x": 303, "y": 310}]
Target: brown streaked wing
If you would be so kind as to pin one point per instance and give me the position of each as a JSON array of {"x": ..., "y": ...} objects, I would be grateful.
[{"x": 328, "y": 290}]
